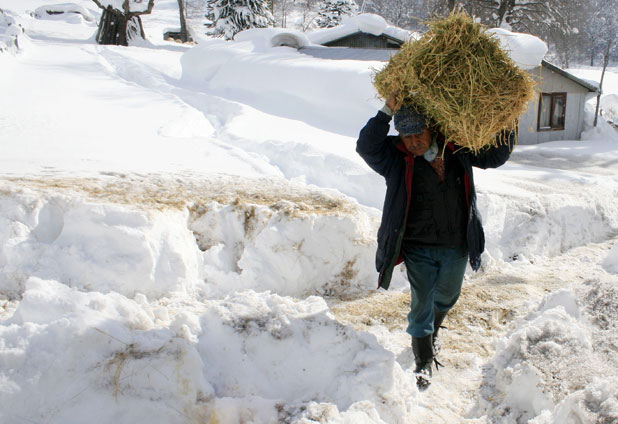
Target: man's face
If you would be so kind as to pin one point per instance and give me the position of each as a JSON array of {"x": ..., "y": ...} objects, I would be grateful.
[{"x": 417, "y": 144}]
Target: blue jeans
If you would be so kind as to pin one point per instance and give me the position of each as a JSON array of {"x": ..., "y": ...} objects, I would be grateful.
[{"x": 435, "y": 275}]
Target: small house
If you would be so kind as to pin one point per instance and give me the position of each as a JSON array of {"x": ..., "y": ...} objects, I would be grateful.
[
  {"x": 558, "y": 111},
  {"x": 361, "y": 37}
]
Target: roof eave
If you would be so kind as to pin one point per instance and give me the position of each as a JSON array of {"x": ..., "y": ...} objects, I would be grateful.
[
  {"x": 388, "y": 37},
  {"x": 570, "y": 76}
]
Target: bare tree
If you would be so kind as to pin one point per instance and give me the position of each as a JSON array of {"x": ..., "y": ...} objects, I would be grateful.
[
  {"x": 118, "y": 27},
  {"x": 196, "y": 13},
  {"x": 603, "y": 30},
  {"x": 605, "y": 61},
  {"x": 185, "y": 35},
  {"x": 444, "y": 7},
  {"x": 309, "y": 14},
  {"x": 280, "y": 10}
]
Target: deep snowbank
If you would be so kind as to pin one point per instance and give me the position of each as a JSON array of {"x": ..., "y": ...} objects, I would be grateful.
[
  {"x": 274, "y": 248},
  {"x": 118, "y": 306},
  {"x": 95, "y": 247},
  {"x": 252, "y": 357},
  {"x": 544, "y": 216},
  {"x": 288, "y": 247}
]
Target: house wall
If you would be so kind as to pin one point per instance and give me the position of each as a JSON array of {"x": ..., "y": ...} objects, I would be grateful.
[
  {"x": 363, "y": 40},
  {"x": 553, "y": 82}
]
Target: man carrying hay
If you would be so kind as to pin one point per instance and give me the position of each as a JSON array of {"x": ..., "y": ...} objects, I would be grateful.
[
  {"x": 430, "y": 220},
  {"x": 455, "y": 95}
]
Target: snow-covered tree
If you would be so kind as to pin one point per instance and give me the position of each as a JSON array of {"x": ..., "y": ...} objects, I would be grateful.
[
  {"x": 229, "y": 17},
  {"x": 120, "y": 21},
  {"x": 332, "y": 12}
]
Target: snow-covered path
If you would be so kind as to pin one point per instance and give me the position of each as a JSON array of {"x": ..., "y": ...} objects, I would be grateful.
[
  {"x": 171, "y": 255},
  {"x": 498, "y": 304}
]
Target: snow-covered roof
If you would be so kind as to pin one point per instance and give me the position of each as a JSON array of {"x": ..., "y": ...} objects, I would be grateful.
[
  {"x": 365, "y": 22},
  {"x": 592, "y": 86},
  {"x": 264, "y": 38}
]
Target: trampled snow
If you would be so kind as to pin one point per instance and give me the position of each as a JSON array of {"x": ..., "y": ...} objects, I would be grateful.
[{"x": 187, "y": 235}]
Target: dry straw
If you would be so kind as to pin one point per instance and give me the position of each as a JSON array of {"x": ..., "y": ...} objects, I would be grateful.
[{"x": 461, "y": 78}]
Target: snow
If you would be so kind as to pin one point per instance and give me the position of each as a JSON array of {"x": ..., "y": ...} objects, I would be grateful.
[
  {"x": 609, "y": 106},
  {"x": 526, "y": 50},
  {"x": 70, "y": 12},
  {"x": 265, "y": 38},
  {"x": 10, "y": 33},
  {"x": 609, "y": 99},
  {"x": 187, "y": 235},
  {"x": 611, "y": 261},
  {"x": 551, "y": 353},
  {"x": 302, "y": 88}
]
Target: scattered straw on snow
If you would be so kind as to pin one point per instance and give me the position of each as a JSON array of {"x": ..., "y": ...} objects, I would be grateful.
[{"x": 162, "y": 193}]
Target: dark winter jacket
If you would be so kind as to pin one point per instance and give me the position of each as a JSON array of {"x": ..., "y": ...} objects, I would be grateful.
[{"x": 388, "y": 157}]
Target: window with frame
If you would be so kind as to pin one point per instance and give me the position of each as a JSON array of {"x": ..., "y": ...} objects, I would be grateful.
[{"x": 552, "y": 110}]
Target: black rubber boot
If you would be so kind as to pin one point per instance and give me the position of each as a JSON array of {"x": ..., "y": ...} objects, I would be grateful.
[
  {"x": 437, "y": 324},
  {"x": 422, "y": 347}
]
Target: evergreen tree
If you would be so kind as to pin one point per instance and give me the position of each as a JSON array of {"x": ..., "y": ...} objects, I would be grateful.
[
  {"x": 229, "y": 17},
  {"x": 333, "y": 11}
]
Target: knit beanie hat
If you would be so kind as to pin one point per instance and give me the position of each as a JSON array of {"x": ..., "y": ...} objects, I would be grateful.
[{"x": 408, "y": 120}]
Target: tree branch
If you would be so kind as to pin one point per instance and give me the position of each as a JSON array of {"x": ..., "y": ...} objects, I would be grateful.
[
  {"x": 98, "y": 4},
  {"x": 145, "y": 12}
]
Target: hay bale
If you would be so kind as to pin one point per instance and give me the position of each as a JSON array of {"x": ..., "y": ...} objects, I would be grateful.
[{"x": 461, "y": 78}]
